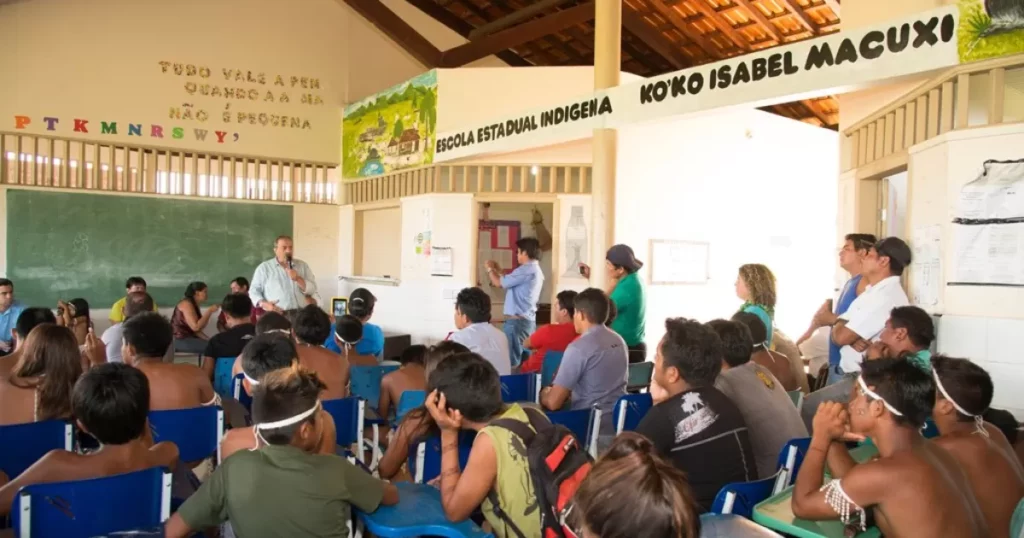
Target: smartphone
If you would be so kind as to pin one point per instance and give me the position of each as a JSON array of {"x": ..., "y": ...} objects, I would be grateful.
[{"x": 339, "y": 306}]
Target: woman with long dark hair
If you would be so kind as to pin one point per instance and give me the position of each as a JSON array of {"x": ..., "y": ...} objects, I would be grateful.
[
  {"x": 188, "y": 321},
  {"x": 41, "y": 383}
]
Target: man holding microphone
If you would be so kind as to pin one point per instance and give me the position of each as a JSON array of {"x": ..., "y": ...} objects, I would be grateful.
[{"x": 283, "y": 283}]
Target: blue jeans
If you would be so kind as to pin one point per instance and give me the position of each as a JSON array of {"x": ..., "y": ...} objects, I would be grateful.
[{"x": 518, "y": 330}]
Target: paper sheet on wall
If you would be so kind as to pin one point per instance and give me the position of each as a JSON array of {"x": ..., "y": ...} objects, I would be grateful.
[
  {"x": 678, "y": 262},
  {"x": 441, "y": 263},
  {"x": 927, "y": 265},
  {"x": 998, "y": 193},
  {"x": 990, "y": 254}
]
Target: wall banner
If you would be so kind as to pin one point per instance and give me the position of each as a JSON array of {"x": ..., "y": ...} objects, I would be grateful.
[
  {"x": 828, "y": 64},
  {"x": 391, "y": 130}
]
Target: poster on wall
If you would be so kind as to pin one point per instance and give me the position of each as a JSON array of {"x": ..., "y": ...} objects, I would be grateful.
[
  {"x": 988, "y": 231},
  {"x": 926, "y": 268},
  {"x": 391, "y": 130},
  {"x": 990, "y": 28}
]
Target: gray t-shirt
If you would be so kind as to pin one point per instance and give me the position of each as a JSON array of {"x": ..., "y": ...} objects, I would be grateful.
[
  {"x": 595, "y": 368},
  {"x": 771, "y": 417},
  {"x": 112, "y": 340}
]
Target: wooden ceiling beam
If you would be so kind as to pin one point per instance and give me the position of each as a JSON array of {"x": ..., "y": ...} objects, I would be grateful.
[
  {"x": 636, "y": 25},
  {"x": 398, "y": 30},
  {"x": 542, "y": 56},
  {"x": 574, "y": 57},
  {"x": 756, "y": 14},
  {"x": 686, "y": 29},
  {"x": 515, "y": 17},
  {"x": 721, "y": 23},
  {"x": 809, "y": 105},
  {"x": 801, "y": 17},
  {"x": 833, "y": 5},
  {"x": 517, "y": 35},
  {"x": 463, "y": 28}
]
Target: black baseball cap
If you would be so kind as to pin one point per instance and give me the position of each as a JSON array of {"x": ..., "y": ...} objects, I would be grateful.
[
  {"x": 623, "y": 256},
  {"x": 895, "y": 249}
]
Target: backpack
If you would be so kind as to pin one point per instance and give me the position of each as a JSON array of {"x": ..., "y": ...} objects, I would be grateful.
[{"x": 558, "y": 464}]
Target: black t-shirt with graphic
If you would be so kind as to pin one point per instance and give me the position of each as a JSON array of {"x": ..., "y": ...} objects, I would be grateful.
[{"x": 702, "y": 433}]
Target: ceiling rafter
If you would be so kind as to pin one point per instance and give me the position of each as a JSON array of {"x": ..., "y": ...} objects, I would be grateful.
[
  {"x": 398, "y": 30},
  {"x": 801, "y": 17},
  {"x": 517, "y": 35},
  {"x": 543, "y": 54},
  {"x": 756, "y": 14},
  {"x": 686, "y": 29},
  {"x": 636, "y": 25},
  {"x": 463, "y": 28},
  {"x": 723, "y": 25}
]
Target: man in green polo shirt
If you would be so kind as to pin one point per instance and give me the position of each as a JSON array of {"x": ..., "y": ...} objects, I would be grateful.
[
  {"x": 909, "y": 333},
  {"x": 627, "y": 293}
]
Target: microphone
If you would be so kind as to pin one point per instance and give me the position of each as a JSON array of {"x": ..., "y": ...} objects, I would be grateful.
[{"x": 290, "y": 264}]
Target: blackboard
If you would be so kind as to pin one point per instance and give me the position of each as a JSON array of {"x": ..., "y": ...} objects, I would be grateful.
[{"x": 63, "y": 245}]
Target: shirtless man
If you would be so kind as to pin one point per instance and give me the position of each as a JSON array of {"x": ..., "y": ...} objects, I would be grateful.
[
  {"x": 311, "y": 329},
  {"x": 111, "y": 403},
  {"x": 914, "y": 489},
  {"x": 265, "y": 353},
  {"x": 174, "y": 386},
  {"x": 411, "y": 376},
  {"x": 348, "y": 331},
  {"x": 964, "y": 393},
  {"x": 269, "y": 323},
  {"x": 776, "y": 363},
  {"x": 27, "y": 320}
]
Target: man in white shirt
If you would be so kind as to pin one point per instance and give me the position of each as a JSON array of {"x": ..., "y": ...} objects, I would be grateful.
[
  {"x": 135, "y": 303},
  {"x": 473, "y": 319},
  {"x": 283, "y": 283},
  {"x": 863, "y": 322}
]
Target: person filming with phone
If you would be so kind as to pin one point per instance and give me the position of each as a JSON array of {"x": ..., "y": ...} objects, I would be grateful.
[{"x": 283, "y": 282}]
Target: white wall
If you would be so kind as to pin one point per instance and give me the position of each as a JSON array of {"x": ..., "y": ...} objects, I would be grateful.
[
  {"x": 981, "y": 323},
  {"x": 422, "y": 305},
  {"x": 380, "y": 243},
  {"x": 759, "y": 188}
]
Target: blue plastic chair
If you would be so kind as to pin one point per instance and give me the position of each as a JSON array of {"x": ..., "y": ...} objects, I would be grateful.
[
  {"x": 410, "y": 399},
  {"x": 800, "y": 446},
  {"x": 222, "y": 378},
  {"x": 640, "y": 374},
  {"x": 552, "y": 360},
  {"x": 418, "y": 514},
  {"x": 425, "y": 462},
  {"x": 585, "y": 424},
  {"x": 197, "y": 431},
  {"x": 365, "y": 383},
  {"x": 97, "y": 507},
  {"x": 520, "y": 388},
  {"x": 740, "y": 497},
  {"x": 238, "y": 392},
  {"x": 349, "y": 416},
  {"x": 630, "y": 410},
  {"x": 21, "y": 445}
]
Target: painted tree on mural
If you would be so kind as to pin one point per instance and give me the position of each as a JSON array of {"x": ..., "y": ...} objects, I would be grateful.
[{"x": 990, "y": 28}]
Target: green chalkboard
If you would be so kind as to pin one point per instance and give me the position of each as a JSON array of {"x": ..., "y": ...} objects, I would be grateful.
[{"x": 64, "y": 245}]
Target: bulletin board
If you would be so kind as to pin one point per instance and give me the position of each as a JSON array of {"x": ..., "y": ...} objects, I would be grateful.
[{"x": 497, "y": 242}]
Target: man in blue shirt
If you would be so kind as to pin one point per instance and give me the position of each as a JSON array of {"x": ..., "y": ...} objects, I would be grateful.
[
  {"x": 522, "y": 292},
  {"x": 9, "y": 312},
  {"x": 851, "y": 257}
]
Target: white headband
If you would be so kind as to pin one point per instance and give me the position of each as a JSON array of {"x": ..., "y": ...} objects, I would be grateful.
[
  {"x": 290, "y": 420},
  {"x": 864, "y": 388},
  {"x": 251, "y": 381},
  {"x": 257, "y": 436},
  {"x": 979, "y": 422},
  {"x": 282, "y": 331}
]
